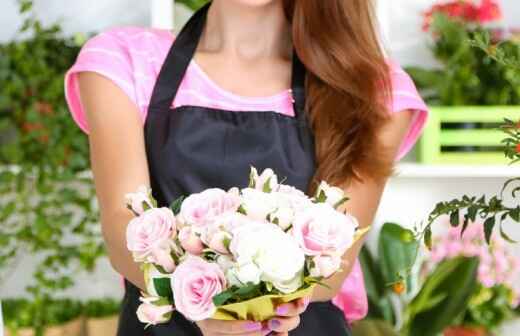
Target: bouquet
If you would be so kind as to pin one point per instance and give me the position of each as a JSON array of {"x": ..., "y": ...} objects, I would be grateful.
[{"x": 236, "y": 254}]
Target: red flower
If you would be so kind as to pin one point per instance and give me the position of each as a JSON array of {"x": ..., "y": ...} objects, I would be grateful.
[
  {"x": 466, "y": 10},
  {"x": 489, "y": 11},
  {"x": 518, "y": 148}
]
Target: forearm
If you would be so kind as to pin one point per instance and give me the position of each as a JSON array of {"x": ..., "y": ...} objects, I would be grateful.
[{"x": 114, "y": 233}]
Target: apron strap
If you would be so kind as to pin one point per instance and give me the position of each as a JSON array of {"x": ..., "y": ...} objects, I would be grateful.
[{"x": 179, "y": 57}]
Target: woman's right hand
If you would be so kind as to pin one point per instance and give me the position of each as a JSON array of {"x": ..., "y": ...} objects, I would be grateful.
[
  {"x": 211, "y": 327},
  {"x": 288, "y": 319}
]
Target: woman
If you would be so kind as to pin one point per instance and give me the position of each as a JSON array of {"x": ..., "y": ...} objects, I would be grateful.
[{"x": 221, "y": 103}]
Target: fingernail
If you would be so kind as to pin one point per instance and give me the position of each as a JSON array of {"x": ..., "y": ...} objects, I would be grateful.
[
  {"x": 282, "y": 310},
  {"x": 274, "y": 324},
  {"x": 253, "y": 326}
]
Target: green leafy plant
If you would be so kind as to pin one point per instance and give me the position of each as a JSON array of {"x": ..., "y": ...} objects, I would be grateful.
[
  {"x": 489, "y": 307},
  {"x": 47, "y": 208},
  {"x": 101, "y": 307},
  {"x": 22, "y": 313},
  {"x": 391, "y": 271},
  {"x": 441, "y": 298},
  {"x": 467, "y": 75},
  {"x": 492, "y": 210}
]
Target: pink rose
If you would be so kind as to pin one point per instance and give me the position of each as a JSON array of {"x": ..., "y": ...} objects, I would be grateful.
[
  {"x": 149, "y": 237},
  {"x": 149, "y": 313},
  {"x": 140, "y": 199},
  {"x": 203, "y": 208},
  {"x": 195, "y": 282},
  {"x": 190, "y": 241},
  {"x": 320, "y": 229},
  {"x": 325, "y": 265}
]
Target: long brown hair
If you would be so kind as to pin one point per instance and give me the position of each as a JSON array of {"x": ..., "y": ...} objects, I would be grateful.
[{"x": 347, "y": 86}]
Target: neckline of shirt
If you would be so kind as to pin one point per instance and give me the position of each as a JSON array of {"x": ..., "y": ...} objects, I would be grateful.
[{"x": 284, "y": 95}]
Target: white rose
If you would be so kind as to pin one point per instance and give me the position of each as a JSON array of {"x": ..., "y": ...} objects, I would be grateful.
[
  {"x": 333, "y": 195},
  {"x": 273, "y": 251},
  {"x": 283, "y": 217},
  {"x": 290, "y": 286},
  {"x": 267, "y": 181},
  {"x": 258, "y": 204},
  {"x": 244, "y": 274}
]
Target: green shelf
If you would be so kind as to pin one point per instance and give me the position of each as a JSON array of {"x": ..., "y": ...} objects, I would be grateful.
[{"x": 479, "y": 145}]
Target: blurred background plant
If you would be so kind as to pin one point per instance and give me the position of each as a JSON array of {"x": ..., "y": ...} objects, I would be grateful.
[
  {"x": 466, "y": 75},
  {"x": 47, "y": 208},
  {"x": 463, "y": 284},
  {"x": 403, "y": 301}
]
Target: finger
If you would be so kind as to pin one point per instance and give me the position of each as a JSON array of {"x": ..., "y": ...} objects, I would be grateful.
[
  {"x": 283, "y": 324},
  {"x": 230, "y": 327},
  {"x": 293, "y": 308}
]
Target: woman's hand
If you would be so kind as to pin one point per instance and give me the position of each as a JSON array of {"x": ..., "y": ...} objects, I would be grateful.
[{"x": 287, "y": 319}]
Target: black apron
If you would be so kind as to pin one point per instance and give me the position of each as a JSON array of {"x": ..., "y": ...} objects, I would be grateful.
[{"x": 192, "y": 148}]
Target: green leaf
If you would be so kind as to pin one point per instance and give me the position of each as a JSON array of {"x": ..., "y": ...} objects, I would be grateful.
[
  {"x": 397, "y": 250},
  {"x": 489, "y": 224},
  {"x": 515, "y": 214},
  {"x": 450, "y": 287},
  {"x": 455, "y": 218},
  {"x": 175, "y": 206},
  {"x": 222, "y": 298},
  {"x": 428, "y": 237},
  {"x": 321, "y": 197},
  {"x": 340, "y": 202},
  {"x": 163, "y": 287}
]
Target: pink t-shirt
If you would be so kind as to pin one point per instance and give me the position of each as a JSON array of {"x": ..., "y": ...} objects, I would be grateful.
[{"x": 132, "y": 56}]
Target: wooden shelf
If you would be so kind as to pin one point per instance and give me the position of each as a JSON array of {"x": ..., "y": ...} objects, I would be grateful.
[{"x": 416, "y": 170}]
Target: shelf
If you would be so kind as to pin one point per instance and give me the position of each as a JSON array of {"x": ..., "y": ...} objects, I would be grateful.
[{"x": 416, "y": 170}]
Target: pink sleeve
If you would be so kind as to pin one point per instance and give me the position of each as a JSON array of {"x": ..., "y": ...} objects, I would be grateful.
[
  {"x": 406, "y": 97},
  {"x": 106, "y": 54}
]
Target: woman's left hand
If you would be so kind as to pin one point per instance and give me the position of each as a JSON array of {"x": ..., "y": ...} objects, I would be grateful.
[{"x": 288, "y": 317}]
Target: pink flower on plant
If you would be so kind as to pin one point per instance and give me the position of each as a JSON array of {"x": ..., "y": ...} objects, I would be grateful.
[
  {"x": 497, "y": 264},
  {"x": 203, "y": 208},
  {"x": 149, "y": 237},
  {"x": 194, "y": 283}
]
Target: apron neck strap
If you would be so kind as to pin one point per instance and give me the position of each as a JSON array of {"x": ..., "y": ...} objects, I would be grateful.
[{"x": 179, "y": 57}]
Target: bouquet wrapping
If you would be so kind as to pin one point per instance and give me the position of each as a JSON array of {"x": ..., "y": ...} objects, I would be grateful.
[{"x": 239, "y": 253}]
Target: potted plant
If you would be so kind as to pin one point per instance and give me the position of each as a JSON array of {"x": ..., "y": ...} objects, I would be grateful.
[
  {"x": 400, "y": 300},
  {"x": 468, "y": 92},
  {"x": 62, "y": 317},
  {"x": 101, "y": 316},
  {"x": 495, "y": 297},
  {"x": 18, "y": 317}
]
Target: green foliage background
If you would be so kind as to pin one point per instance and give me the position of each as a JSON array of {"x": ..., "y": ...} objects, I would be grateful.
[{"x": 467, "y": 75}]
